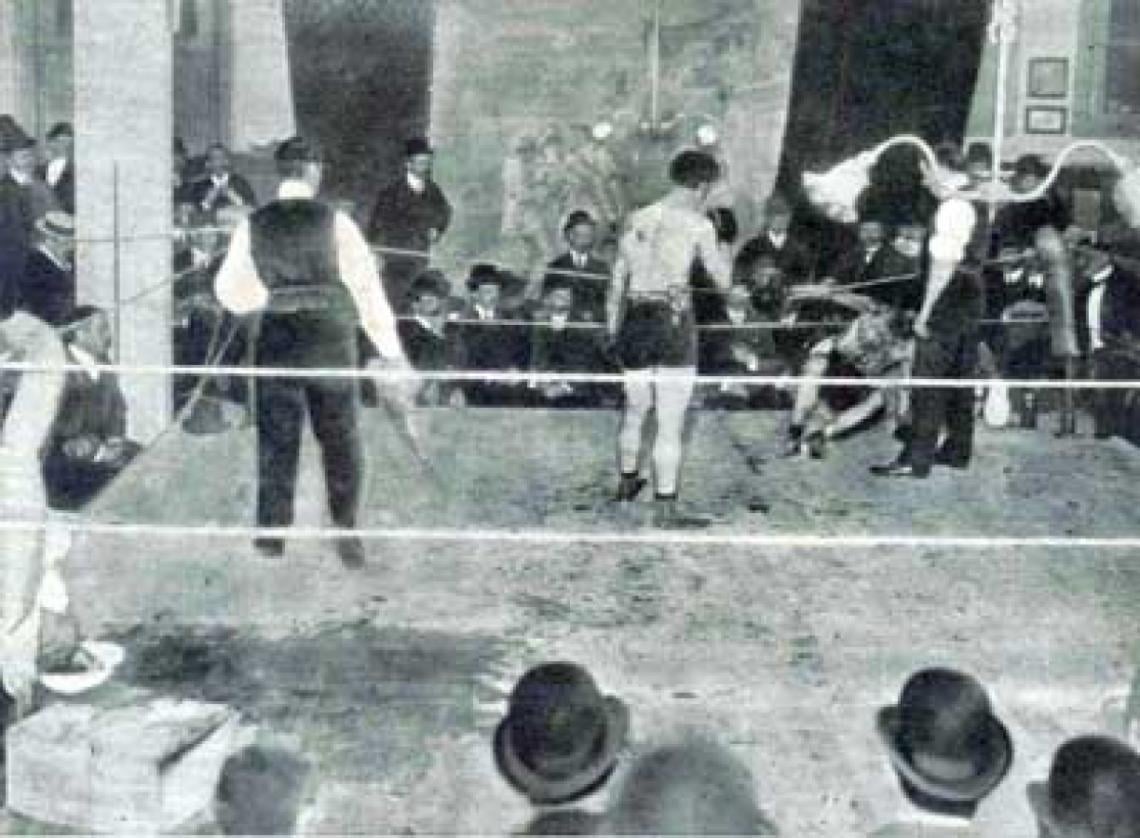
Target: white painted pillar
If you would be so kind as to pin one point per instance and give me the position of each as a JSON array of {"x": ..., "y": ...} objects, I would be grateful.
[
  {"x": 123, "y": 129},
  {"x": 15, "y": 74}
]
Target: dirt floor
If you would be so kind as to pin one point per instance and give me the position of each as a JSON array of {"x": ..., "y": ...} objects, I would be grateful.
[{"x": 392, "y": 678}]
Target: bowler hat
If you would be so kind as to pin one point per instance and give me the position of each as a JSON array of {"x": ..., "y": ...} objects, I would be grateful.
[
  {"x": 297, "y": 150},
  {"x": 1030, "y": 164},
  {"x": 57, "y": 225},
  {"x": 416, "y": 146},
  {"x": 430, "y": 282},
  {"x": 561, "y": 737},
  {"x": 1094, "y": 780},
  {"x": 946, "y": 715},
  {"x": 577, "y": 217},
  {"x": 484, "y": 273}
]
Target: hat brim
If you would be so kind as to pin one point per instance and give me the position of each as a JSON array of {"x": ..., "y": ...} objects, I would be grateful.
[
  {"x": 995, "y": 762},
  {"x": 49, "y": 231},
  {"x": 105, "y": 659},
  {"x": 546, "y": 791}
]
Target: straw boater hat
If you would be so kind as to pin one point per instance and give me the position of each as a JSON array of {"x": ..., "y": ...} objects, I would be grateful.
[
  {"x": 56, "y": 225},
  {"x": 946, "y": 714},
  {"x": 561, "y": 737}
]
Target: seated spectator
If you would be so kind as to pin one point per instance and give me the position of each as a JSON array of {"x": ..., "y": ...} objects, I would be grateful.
[
  {"x": 220, "y": 188},
  {"x": 1093, "y": 791},
  {"x": 732, "y": 349},
  {"x": 561, "y": 738},
  {"x": 865, "y": 261},
  {"x": 48, "y": 287},
  {"x": 589, "y": 275},
  {"x": 948, "y": 750},
  {"x": 88, "y": 446},
  {"x": 874, "y": 345},
  {"x": 23, "y": 168},
  {"x": 485, "y": 338},
  {"x": 690, "y": 789},
  {"x": 423, "y": 334},
  {"x": 559, "y": 343},
  {"x": 1021, "y": 341},
  {"x": 261, "y": 792},
  {"x": 902, "y": 264},
  {"x": 59, "y": 171},
  {"x": 791, "y": 256}
]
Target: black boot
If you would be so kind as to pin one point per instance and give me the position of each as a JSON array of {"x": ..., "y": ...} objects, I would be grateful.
[
  {"x": 629, "y": 487},
  {"x": 667, "y": 517}
]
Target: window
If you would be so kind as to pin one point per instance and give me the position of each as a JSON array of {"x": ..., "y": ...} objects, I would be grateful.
[
  {"x": 1122, "y": 59},
  {"x": 188, "y": 23},
  {"x": 1106, "y": 99}
]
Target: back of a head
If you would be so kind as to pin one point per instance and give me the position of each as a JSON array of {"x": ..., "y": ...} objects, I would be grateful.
[
  {"x": 260, "y": 792},
  {"x": 294, "y": 156},
  {"x": 691, "y": 789},
  {"x": 693, "y": 169},
  {"x": 1094, "y": 787}
]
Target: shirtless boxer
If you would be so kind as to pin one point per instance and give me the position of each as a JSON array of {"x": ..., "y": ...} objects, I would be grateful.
[{"x": 649, "y": 313}]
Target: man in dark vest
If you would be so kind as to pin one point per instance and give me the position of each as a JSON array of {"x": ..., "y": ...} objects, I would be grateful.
[{"x": 309, "y": 274}]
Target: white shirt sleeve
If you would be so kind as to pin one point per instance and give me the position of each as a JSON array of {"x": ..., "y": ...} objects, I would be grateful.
[
  {"x": 237, "y": 285},
  {"x": 360, "y": 273}
]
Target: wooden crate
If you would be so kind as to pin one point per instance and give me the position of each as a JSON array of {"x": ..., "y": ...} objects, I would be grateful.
[{"x": 144, "y": 766}]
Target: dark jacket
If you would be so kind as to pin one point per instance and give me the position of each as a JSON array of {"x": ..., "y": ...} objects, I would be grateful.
[
  {"x": 197, "y": 192},
  {"x": 403, "y": 218},
  {"x": 1119, "y": 310},
  {"x": 589, "y": 294},
  {"x": 794, "y": 258},
  {"x": 47, "y": 290},
  {"x": 16, "y": 222},
  {"x": 90, "y": 408},
  {"x": 568, "y": 349}
]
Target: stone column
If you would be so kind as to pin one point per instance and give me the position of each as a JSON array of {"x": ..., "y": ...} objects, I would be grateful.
[
  {"x": 123, "y": 127},
  {"x": 15, "y": 74}
]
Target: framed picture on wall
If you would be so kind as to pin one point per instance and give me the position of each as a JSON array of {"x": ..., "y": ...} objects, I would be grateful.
[
  {"x": 1046, "y": 120},
  {"x": 1048, "y": 78}
]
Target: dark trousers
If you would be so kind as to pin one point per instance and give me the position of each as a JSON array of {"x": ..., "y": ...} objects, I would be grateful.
[
  {"x": 936, "y": 409},
  {"x": 1111, "y": 406},
  {"x": 332, "y": 408}
]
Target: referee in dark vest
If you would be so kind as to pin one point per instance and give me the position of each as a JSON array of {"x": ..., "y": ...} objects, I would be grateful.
[{"x": 307, "y": 273}]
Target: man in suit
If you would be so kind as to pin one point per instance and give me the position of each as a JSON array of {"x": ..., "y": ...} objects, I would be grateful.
[
  {"x": 59, "y": 172},
  {"x": 865, "y": 261},
  {"x": 774, "y": 240},
  {"x": 1108, "y": 312},
  {"x": 88, "y": 446},
  {"x": 411, "y": 214},
  {"x": 23, "y": 168},
  {"x": 588, "y": 275},
  {"x": 307, "y": 271},
  {"x": 565, "y": 340},
  {"x": 16, "y": 221},
  {"x": 48, "y": 287},
  {"x": 221, "y": 187},
  {"x": 424, "y": 333},
  {"x": 947, "y": 333},
  {"x": 483, "y": 341}
]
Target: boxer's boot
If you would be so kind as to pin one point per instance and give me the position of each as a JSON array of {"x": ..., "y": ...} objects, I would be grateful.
[{"x": 668, "y": 517}]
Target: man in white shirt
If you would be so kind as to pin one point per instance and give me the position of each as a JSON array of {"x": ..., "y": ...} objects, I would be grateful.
[
  {"x": 309, "y": 274},
  {"x": 649, "y": 313}
]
